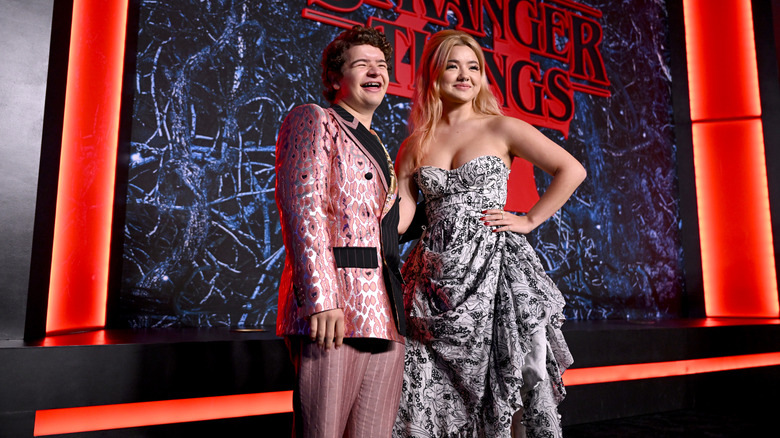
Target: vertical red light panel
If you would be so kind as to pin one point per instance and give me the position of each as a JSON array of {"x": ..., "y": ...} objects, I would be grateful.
[
  {"x": 85, "y": 194},
  {"x": 738, "y": 261},
  {"x": 738, "y": 264}
]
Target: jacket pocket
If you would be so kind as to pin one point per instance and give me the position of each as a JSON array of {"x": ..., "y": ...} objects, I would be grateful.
[{"x": 355, "y": 257}]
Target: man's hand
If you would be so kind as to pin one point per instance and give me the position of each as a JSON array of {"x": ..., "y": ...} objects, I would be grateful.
[{"x": 327, "y": 328}]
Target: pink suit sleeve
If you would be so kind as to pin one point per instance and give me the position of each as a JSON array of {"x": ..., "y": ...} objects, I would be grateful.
[{"x": 303, "y": 161}]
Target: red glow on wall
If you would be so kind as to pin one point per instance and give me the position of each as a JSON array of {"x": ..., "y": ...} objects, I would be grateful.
[
  {"x": 616, "y": 373},
  {"x": 85, "y": 194},
  {"x": 106, "y": 417},
  {"x": 721, "y": 51},
  {"x": 91, "y": 418},
  {"x": 738, "y": 260},
  {"x": 521, "y": 187},
  {"x": 91, "y": 337}
]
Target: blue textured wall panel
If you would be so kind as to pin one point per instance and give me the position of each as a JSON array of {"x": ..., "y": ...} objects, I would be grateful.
[{"x": 213, "y": 82}]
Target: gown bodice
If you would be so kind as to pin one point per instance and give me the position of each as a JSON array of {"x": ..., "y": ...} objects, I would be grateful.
[
  {"x": 478, "y": 184},
  {"x": 456, "y": 198}
]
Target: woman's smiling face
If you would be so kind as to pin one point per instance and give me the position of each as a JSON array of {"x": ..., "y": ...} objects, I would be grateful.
[{"x": 462, "y": 77}]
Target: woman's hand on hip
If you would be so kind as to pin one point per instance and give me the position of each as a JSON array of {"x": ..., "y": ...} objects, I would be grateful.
[{"x": 505, "y": 221}]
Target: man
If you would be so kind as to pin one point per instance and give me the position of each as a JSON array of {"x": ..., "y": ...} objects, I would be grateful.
[{"x": 340, "y": 298}]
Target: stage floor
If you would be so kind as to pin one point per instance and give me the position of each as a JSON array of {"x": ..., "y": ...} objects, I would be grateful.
[
  {"x": 114, "y": 367},
  {"x": 688, "y": 423}
]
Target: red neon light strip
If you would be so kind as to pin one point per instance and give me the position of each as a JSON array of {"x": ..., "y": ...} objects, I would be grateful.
[
  {"x": 85, "y": 191},
  {"x": 721, "y": 52},
  {"x": 91, "y": 418},
  {"x": 619, "y": 373},
  {"x": 738, "y": 260}
]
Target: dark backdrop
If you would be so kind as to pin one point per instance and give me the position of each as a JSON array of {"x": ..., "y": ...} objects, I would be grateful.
[{"x": 214, "y": 80}]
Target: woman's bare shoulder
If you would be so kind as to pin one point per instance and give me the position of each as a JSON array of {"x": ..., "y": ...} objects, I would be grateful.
[{"x": 504, "y": 123}]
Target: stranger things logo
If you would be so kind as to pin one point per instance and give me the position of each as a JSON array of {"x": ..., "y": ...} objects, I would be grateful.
[{"x": 565, "y": 32}]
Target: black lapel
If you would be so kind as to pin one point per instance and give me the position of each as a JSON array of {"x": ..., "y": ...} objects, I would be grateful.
[
  {"x": 369, "y": 141},
  {"x": 389, "y": 223}
]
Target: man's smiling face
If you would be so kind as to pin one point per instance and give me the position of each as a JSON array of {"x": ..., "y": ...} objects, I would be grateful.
[{"x": 364, "y": 79}]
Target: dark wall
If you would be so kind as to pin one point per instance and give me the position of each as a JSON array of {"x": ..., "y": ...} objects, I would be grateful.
[
  {"x": 24, "y": 30},
  {"x": 766, "y": 22},
  {"x": 213, "y": 82}
]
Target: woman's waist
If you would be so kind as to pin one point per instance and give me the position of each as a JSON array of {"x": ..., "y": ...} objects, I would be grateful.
[
  {"x": 447, "y": 225},
  {"x": 464, "y": 210}
]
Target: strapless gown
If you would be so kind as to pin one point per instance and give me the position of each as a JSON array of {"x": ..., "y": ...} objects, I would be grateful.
[{"x": 484, "y": 318}]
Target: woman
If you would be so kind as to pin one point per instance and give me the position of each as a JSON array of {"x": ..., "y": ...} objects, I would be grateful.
[{"x": 484, "y": 342}]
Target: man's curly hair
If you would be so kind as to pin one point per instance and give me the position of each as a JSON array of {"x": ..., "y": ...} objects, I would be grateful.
[{"x": 333, "y": 56}]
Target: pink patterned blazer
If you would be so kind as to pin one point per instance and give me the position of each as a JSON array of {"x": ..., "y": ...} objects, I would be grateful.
[{"x": 335, "y": 189}]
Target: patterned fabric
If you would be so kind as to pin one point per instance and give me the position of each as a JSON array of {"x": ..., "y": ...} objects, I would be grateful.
[
  {"x": 483, "y": 317},
  {"x": 330, "y": 194}
]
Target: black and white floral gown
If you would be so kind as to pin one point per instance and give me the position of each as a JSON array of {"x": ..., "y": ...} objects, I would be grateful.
[{"x": 484, "y": 318}]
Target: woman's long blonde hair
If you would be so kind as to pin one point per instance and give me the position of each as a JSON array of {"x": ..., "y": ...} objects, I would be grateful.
[{"x": 426, "y": 101}]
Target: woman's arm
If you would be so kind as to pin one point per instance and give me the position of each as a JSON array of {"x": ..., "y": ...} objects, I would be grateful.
[{"x": 525, "y": 141}]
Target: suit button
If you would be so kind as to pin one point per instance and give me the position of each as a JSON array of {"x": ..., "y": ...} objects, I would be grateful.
[{"x": 369, "y": 175}]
